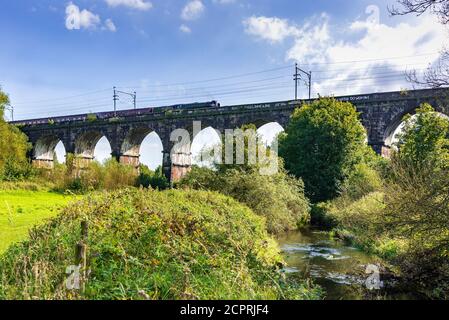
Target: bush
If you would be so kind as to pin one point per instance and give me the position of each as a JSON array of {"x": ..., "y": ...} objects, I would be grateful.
[
  {"x": 417, "y": 201},
  {"x": 154, "y": 179},
  {"x": 279, "y": 198},
  {"x": 108, "y": 176},
  {"x": 17, "y": 169},
  {"x": 418, "y": 211},
  {"x": 362, "y": 181},
  {"x": 150, "y": 244},
  {"x": 319, "y": 216}
]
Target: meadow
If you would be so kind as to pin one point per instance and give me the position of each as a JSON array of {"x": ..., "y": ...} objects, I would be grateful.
[{"x": 20, "y": 210}]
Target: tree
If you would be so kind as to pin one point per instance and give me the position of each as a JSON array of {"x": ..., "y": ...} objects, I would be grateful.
[
  {"x": 438, "y": 75},
  {"x": 13, "y": 147},
  {"x": 4, "y": 101},
  {"x": 419, "y": 7},
  {"x": 322, "y": 144},
  {"x": 424, "y": 140}
]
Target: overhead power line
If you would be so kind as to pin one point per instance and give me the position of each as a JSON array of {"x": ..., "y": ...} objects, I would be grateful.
[{"x": 63, "y": 98}]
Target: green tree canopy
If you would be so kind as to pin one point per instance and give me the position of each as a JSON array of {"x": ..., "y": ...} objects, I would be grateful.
[
  {"x": 323, "y": 143},
  {"x": 13, "y": 144}
]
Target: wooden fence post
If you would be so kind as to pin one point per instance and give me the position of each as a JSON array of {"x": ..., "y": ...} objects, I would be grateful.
[{"x": 81, "y": 254}]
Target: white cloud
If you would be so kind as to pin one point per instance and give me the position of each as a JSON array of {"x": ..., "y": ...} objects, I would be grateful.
[
  {"x": 312, "y": 41},
  {"x": 192, "y": 10},
  {"x": 270, "y": 29},
  {"x": 394, "y": 48},
  {"x": 134, "y": 4},
  {"x": 109, "y": 25},
  {"x": 372, "y": 45},
  {"x": 224, "y": 1},
  {"x": 76, "y": 19},
  {"x": 185, "y": 29}
]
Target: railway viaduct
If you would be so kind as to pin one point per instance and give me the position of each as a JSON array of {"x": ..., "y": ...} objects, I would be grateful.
[{"x": 381, "y": 114}]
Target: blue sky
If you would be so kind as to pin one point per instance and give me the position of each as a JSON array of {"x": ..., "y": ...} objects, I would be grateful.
[{"x": 62, "y": 57}]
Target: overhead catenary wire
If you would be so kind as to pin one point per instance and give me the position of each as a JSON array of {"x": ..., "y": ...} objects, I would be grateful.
[{"x": 164, "y": 92}]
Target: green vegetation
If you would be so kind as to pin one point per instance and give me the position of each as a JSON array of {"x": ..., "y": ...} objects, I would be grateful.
[
  {"x": 322, "y": 144},
  {"x": 152, "y": 179},
  {"x": 108, "y": 176},
  {"x": 13, "y": 148},
  {"x": 424, "y": 140},
  {"x": 417, "y": 198},
  {"x": 279, "y": 198},
  {"x": 406, "y": 219},
  {"x": 91, "y": 117},
  {"x": 20, "y": 210},
  {"x": 187, "y": 244},
  {"x": 161, "y": 245}
]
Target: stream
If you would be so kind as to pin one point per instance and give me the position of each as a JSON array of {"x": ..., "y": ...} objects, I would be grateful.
[{"x": 339, "y": 269}]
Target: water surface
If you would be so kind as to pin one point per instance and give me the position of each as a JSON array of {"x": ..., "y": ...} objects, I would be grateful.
[{"x": 339, "y": 269}]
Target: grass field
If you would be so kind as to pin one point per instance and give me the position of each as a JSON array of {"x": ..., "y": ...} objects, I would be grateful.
[{"x": 20, "y": 210}]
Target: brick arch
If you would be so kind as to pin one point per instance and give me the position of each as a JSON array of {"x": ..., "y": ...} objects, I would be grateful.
[
  {"x": 44, "y": 150},
  {"x": 394, "y": 119},
  {"x": 86, "y": 142},
  {"x": 130, "y": 146},
  {"x": 133, "y": 139}
]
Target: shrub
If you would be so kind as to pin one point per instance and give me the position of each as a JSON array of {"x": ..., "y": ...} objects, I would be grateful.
[
  {"x": 91, "y": 117},
  {"x": 319, "y": 216},
  {"x": 116, "y": 175},
  {"x": 108, "y": 176},
  {"x": 154, "y": 179},
  {"x": 417, "y": 211},
  {"x": 17, "y": 169},
  {"x": 362, "y": 181},
  {"x": 279, "y": 198},
  {"x": 161, "y": 245}
]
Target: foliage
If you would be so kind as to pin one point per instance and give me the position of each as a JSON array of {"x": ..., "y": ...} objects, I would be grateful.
[
  {"x": 245, "y": 143},
  {"x": 279, "y": 198},
  {"x": 360, "y": 220},
  {"x": 417, "y": 211},
  {"x": 108, "y": 176},
  {"x": 424, "y": 139},
  {"x": 161, "y": 245},
  {"x": 154, "y": 179},
  {"x": 362, "y": 181},
  {"x": 91, "y": 117},
  {"x": 13, "y": 147},
  {"x": 407, "y": 222},
  {"x": 17, "y": 169},
  {"x": 323, "y": 143}
]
